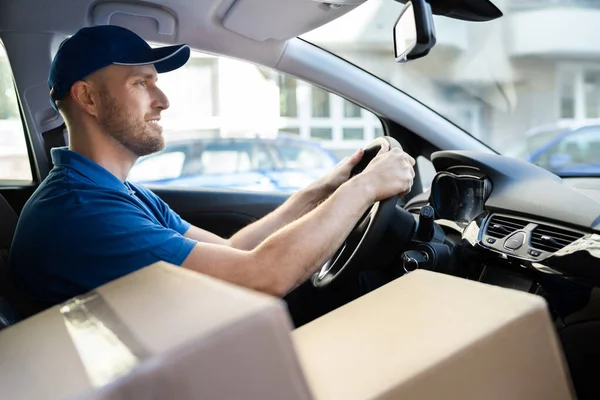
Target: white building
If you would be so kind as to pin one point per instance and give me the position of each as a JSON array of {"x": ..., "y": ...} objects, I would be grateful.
[{"x": 538, "y": 64}]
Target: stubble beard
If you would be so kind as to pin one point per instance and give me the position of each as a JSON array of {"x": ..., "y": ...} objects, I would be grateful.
[{"x": 136, "y": 135}]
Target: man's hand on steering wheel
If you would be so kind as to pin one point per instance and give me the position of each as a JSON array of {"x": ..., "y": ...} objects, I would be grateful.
[
  {"x": 343, "y": 170},
  {"x": 339, "y": 174},
  {"x": 383, "y": 174},
  {"x": 390, "y": 173}
]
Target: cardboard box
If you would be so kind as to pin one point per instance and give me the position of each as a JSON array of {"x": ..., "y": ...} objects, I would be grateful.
[
  {"x": 167, "y": 333},
  {"x": 433, "y": 336},
  {"x": 160, "y": 333}
]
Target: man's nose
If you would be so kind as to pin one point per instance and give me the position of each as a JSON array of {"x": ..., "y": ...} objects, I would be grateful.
[{"x": 160, "y": 100}]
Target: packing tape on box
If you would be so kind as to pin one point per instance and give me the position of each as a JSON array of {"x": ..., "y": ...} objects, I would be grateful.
[{"x": 106, "y": 346}]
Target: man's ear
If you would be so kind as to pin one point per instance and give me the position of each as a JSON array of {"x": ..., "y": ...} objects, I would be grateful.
[{"x": 84, "y": 95}]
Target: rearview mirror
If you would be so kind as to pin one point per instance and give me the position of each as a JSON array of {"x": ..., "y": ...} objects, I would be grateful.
[{"x": 414, "y": 33}]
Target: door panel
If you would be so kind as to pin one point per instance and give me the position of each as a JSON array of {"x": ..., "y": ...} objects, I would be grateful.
[{"x": 222, "y": 212}]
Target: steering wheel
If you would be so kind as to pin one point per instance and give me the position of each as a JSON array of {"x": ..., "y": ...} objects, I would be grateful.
[{"x": 368, "y": 230}]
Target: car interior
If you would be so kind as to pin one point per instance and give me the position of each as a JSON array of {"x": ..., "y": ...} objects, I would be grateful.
[{"x": 485, "y": 217}]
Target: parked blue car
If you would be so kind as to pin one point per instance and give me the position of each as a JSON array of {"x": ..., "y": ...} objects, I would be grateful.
[
  {"x": 566, "y": 149},
  {"x": 280, "y": 164}
]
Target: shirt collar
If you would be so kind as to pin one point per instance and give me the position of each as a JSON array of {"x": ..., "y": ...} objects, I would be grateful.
[{"x": 63, "y": 157}]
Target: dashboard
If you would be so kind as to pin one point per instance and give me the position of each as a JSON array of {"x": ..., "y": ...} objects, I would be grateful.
[
  {"x": 516, "y": 211},
  {"x": 523, "y": 189}
]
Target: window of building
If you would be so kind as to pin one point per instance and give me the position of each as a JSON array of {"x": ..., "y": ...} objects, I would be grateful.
[
  {"x": 290, "y": 130},
  {"x": 321, "y": 133},
  {"x": 567, "y": 95},
  {"x": 591, "y": 82},
  {"x": 354, "y": 133},
  {"x": 287, "y": 96},
  {"x": 351, "y": 110},
  {"x": 579, "y": 92},
  {"x": 14, "y": 158},
  {"x": 320, "y": 103}
]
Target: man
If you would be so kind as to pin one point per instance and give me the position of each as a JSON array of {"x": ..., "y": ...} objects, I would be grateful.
[{"x": 86, "y": 224}]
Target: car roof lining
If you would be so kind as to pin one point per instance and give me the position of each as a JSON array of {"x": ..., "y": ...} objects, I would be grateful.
[{"x": 197, "y": 23}]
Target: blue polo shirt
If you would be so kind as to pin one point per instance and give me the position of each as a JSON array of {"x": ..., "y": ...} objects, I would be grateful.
[{"x": 83, "y": 227}]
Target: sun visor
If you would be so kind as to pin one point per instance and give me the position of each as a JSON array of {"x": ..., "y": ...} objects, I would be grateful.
[
  {"x": 283, "y": 19},
  {"x": 466, "y": 10}
]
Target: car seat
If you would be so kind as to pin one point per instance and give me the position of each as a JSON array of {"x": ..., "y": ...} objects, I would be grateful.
[{"x": 13, "y": 306}]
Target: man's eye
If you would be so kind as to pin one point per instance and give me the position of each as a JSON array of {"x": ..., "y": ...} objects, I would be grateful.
[{"x": 141, "y": 83}]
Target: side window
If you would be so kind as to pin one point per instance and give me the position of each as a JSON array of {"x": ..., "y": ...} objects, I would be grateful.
[
  {"x": 14, "y": 159},
  {"x": 227, "y": 158},
  {"x": 166, "y": 165},
  {"x": 426, "y": 172},
  {"x": 285, "y": 129},
  {"x": 297, "y": 156}
]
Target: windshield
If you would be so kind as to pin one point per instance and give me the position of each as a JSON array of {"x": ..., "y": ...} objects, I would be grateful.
[{"x": 518, "y": 84}]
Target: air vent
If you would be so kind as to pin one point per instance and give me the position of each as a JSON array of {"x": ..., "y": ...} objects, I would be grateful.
[
  {"x": 500, "y": 227},
  {"x": 551, "y": 239}
]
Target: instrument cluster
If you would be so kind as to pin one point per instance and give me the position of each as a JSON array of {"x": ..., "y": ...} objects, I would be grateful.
[{"x": 459, "y": 195}]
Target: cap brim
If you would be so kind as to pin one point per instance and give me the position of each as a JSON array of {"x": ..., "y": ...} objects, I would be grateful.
[{"x": 164, "y": 59}]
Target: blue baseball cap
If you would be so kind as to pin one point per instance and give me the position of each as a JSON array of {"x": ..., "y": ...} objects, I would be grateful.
[{"x": 96, "y": 47}]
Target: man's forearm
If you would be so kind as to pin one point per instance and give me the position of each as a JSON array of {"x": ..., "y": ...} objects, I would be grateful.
[
  {"x": 292, "y": 253},
  {"x": 296, "y": 251},
  {"x": 296, "y": 206}
]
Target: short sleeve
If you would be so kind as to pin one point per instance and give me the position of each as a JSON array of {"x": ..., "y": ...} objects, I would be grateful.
[
  {"x": 121, "y": 238},
  {"x": 171, "y": 218}
]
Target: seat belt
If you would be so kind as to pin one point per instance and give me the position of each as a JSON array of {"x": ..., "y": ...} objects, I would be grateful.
[{"x": 57, "y": 137}]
